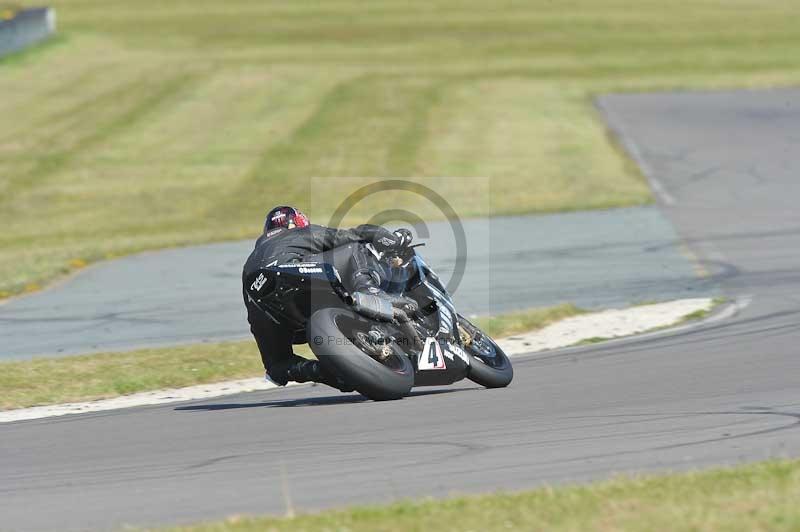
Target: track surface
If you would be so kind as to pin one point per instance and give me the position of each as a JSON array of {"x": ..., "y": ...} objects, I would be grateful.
[
  {"x": 722, "y": 393},
  {"x": 193, "y": 294}
]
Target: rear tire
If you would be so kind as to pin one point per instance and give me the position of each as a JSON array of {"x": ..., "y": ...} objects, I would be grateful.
[{"x": 370, "y": 378}]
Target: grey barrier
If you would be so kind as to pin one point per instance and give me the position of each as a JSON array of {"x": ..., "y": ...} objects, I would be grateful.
[{"x": 23, "y": 28}]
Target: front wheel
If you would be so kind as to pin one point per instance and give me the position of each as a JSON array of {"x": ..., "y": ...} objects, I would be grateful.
[
  {"x": 489, "y": 365},
  {"x": 338, "y": 338}
]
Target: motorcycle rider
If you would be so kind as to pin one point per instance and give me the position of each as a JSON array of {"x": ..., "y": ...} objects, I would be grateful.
[{"x": 289, "y": 237}]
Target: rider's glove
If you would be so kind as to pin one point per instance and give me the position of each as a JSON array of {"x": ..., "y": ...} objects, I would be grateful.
[
  {"x": 404, "y": 238},
  {"x": 384, "y": 240},
  {"x": 395, "y": 241}
]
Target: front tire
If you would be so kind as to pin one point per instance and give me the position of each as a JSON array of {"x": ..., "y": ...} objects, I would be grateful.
[
  {"x": 330, "y": 335},
  {"x": 489, "y": 365}
]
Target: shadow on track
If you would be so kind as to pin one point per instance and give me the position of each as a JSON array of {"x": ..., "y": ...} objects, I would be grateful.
[{"x": 308, "y": 401}]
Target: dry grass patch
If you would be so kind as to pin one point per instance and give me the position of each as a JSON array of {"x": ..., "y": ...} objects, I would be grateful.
[{"x": 753, "y": 497}]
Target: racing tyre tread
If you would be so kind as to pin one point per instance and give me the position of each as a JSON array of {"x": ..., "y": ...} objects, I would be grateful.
[
  {"x": 368, "y": 376},
  {"x": 498, "y": 376}
]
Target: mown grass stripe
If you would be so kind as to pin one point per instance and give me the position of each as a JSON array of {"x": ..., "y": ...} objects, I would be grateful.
[
  {"x": 118, "y": 119},
  {"x": 386, "y": 117}
]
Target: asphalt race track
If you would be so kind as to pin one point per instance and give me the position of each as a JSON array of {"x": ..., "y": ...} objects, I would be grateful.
[
  {"x": 194, "y": 294},
  {"x": 726, "y": 168}
]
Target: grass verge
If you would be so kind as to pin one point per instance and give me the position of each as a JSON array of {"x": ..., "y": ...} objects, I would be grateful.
[
  {"x": 525, "y": 320},
  {"x": 752, "y": 497},
  {"x": 100, "y": 376},
  {"x": 702, "y": 314},
  {"x": 697, "y": 315},
  {"x": 149, "y": 126}
]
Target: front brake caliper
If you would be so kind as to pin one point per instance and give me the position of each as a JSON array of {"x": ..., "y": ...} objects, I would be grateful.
[{"x": 466, "y": 337}]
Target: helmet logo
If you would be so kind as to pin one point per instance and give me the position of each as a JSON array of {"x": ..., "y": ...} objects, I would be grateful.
[{"x": 286, "y": 217}]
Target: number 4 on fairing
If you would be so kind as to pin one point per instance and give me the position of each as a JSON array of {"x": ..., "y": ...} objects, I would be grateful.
[{"x": 431, "y": 357}]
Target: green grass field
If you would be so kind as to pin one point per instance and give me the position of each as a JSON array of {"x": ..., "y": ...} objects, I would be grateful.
[
  {"x": 747, "y": 498},
  {"x": 151, "y": 124}
]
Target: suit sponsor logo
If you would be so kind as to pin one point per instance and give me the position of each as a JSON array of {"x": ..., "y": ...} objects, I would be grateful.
[
  {"x": 300, "y": 265},
  {"x": 259, "y": 282}
]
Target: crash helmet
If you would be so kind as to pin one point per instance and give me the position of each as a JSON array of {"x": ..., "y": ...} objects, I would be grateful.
[{"x": 285, "y": 217}]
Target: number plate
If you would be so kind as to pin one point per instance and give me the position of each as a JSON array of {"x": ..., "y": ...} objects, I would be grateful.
[{"x": 431, "y": 356}]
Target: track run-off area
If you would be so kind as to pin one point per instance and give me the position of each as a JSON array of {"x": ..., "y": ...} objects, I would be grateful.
[{"x": 725, "y": 168}]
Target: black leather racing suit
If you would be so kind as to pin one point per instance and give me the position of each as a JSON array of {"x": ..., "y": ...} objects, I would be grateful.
[{"x": 283, "y": 246}]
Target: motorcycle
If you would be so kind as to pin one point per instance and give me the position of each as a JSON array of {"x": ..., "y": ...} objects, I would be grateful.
[{"x": 380, "y": 352}]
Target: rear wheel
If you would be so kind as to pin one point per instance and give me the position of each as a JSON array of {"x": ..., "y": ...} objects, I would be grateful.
[
  {"x": 342, "y": 342},
  {"x": 489, "y": 365}
]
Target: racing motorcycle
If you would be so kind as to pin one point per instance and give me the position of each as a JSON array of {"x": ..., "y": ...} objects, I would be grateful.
[{"x": 380, "y": 351}]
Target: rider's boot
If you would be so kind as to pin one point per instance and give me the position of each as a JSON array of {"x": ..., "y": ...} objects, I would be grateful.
[
  {"x": 406, "y": 304},
  {"x": 375, "y": 302},
  {"x": 379, "y": 305},
  {"x": 312, "y": 371},
  {"x": 368, "y": 298},
  {"x": 304, "y": 371}
]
